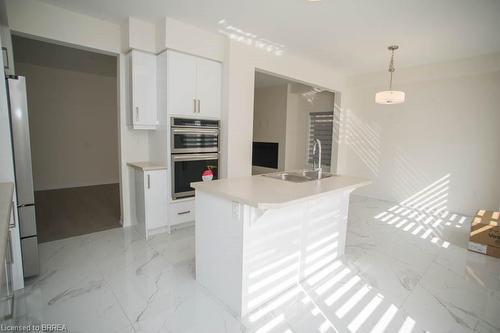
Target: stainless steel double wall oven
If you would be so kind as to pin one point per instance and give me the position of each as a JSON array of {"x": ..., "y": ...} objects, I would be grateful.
[{"x": 194, "y": 148}]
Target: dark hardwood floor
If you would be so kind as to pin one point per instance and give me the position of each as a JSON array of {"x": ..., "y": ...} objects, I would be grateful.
[{"x": 69, "y": 212}]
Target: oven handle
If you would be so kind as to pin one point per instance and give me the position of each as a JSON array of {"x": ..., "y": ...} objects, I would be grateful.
[
  {"x": 194, "y": 157},
  {"x": 195, "y": 131}
]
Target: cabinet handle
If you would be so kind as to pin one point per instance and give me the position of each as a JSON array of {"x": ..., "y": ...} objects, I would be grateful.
[
  {"x": 149, "y": 181},
  {"x": 199, "y": 106},
  {"x": 184, "y": 212},
  {"x": 136, "y": 113},
  {"x": 194, "y": 105}
]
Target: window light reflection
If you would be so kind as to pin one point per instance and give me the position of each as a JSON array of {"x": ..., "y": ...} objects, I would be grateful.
[{"x": 249, "y": 38}]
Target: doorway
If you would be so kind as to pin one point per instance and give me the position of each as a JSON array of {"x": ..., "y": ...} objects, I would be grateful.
[
  {"x": 73, "y": 120},
  {"x": 289, "y": 117}
]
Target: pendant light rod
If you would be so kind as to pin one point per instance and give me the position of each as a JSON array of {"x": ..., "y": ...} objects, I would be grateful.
[
  {"x": 390, "y": 96},
  {"x": 392, "y": 48}
]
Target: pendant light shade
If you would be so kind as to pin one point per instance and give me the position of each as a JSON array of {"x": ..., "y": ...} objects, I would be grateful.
[{"x": 390, "y": 96}]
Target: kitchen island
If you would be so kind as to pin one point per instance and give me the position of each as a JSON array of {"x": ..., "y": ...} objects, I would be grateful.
[{"x": 258, "y": 236}]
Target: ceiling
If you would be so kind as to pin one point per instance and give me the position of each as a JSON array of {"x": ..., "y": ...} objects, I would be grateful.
[{"x": 351, "y": 35}]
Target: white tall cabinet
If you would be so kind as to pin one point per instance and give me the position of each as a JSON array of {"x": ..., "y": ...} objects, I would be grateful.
[
  {"x": 194, "y": 86},
  {"x": 170, "y": 84},
  {"x": 143, "y": 90}
]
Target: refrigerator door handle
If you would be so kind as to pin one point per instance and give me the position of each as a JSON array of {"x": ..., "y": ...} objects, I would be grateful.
[
  {"x": 12, "y": 225},
  {"x": 11, "y": 249}
]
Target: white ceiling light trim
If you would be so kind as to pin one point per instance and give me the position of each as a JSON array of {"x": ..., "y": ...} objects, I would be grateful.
[{"x": 390, "y": 96}]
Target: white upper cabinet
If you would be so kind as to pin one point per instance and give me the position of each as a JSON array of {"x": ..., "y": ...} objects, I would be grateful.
[
  {"x": 144, "y": 111},
  {"x": 209, "y": 88},
  {"x": 194, "y": 86},
  {"x": 181, "y": 83}
]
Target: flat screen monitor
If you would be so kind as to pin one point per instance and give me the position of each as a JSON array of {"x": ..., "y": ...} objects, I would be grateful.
[{"x": 265, "y": 154}]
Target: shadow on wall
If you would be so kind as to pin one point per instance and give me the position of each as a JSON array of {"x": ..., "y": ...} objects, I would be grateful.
[
  {"x": 407, "y": 179},
  {"x": 251, "y": 39},
  {"x": 360, "y": 137},
  {"x": 424, "y": 213}
]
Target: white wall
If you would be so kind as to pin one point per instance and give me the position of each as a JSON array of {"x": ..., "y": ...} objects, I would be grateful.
[
  {"x": 176, "y": 35},
  {"x": 270, "y": 115},
  {"x": 139, "y": 35},
  {"x": 72, "y": 102},
  {"x": 51, "y": 22},
  {"x": 446, "y": 136},
  {"x": 6, "y": 158}
]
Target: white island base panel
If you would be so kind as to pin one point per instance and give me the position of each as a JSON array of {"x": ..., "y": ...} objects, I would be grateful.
[{"x": 247, "y": 256}]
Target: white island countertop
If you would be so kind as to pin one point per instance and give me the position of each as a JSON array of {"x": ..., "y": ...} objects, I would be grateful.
[{"x": 270, "y": 193}]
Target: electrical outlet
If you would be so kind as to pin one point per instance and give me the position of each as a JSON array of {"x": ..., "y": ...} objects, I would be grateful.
[{"x": 236, "y": 210}]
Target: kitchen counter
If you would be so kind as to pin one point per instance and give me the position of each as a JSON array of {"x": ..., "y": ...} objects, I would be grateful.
[
  {"x": 148, "y": 166},
  {"x": 268, "y": 193},
  {"x": 6, "y": 193},
  {"x": 257, "y": 236}
]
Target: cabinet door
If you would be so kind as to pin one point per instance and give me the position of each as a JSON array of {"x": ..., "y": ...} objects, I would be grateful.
[
  {"x": 144, "y": 111},
  {"x": 209, "y": 88},
  {"x": 155, "y": 187},
  {"x": 181, "y": 84}
]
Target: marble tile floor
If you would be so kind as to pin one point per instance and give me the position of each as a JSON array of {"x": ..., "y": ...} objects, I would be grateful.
[{"x": 404, "y": 273}]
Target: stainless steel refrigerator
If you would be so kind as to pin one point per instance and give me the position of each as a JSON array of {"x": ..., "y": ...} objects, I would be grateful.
[{"x": 18, "y": 108}]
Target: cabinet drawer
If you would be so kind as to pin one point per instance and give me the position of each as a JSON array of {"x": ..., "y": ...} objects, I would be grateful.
[{"x": 181, "y": 212}]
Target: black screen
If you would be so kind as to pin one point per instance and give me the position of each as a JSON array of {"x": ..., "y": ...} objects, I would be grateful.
[
  {"x": 187, "y": 172},
  {"x": 265, "y": 154}
]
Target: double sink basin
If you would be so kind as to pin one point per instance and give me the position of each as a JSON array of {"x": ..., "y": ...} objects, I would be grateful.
[{"x": 300, "y": 176}]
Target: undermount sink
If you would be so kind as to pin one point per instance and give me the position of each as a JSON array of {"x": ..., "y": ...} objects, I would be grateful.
[{"x": 301, "y": 176}]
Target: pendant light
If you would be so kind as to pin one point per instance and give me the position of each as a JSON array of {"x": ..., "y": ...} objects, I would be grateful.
[{"x": 390, "y": 96}]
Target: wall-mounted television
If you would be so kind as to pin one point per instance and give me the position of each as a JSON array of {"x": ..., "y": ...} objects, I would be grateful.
[{"x": 265, "y": 154}]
